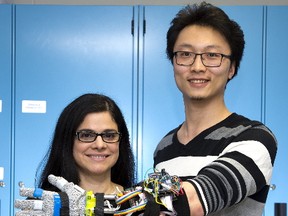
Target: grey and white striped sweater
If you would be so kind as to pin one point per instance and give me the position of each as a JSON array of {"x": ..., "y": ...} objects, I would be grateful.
[{"x": 229, "y": 164}]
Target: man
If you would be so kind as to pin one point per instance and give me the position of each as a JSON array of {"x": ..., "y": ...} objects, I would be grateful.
[{"x": 224, "y": 159}]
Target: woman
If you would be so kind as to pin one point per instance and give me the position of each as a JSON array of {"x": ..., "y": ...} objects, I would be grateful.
[{"x": 90, "y": 147}]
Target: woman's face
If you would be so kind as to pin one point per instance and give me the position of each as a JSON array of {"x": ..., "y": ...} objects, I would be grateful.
[{"x": 98, "y": 157}]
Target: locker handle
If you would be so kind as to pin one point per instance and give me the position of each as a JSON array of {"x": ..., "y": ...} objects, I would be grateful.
[{"x": 2, "y": 183}]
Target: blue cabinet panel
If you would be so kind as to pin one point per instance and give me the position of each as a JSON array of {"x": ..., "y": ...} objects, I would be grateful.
[
  {"x": 5, "y": 106},
  {"x": 62, "y": 52},
  {"x": 277, "y": 100},
  {"x": 55, "y": 53},
  {"x": 162, "y": 102},
  {"x": 244, "y": 93}
]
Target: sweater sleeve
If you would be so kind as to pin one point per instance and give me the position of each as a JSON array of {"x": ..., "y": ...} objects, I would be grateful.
[{"x": 243, "y": 169}]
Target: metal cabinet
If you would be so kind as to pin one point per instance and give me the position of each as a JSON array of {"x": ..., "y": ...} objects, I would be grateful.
[
  {"x": 162, "y": 106},
  {"x": 6, "y": 120},
  {"x": 51, "y": 54},
  {"x": 276, "y": 99},
  {"x": 60, "y": 52}
]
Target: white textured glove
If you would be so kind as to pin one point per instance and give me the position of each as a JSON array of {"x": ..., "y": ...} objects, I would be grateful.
[{"x": 47, "y": 203}]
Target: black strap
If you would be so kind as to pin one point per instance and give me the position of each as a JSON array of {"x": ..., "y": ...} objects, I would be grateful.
[
  {"x": 151, "y": 208},
  {"x": 64, "y": 211},
  {"x": 99, "y": 208},
  {"x": 181, "y": 204}
]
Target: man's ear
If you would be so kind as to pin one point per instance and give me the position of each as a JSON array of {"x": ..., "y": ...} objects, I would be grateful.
[{"x": 231, "y": 71}]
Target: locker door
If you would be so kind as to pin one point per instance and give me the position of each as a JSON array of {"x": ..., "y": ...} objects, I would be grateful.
[
  {"x": 244, "y": 93},
  {"x": 162, "y": 102},
  {"x": 276, "y": 98},
  {"x": 5, "y": 108},
  {"x": 62, "y": 52}
]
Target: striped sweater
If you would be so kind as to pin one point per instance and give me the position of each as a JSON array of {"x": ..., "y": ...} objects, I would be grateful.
[{"x": 230, "y": 165}]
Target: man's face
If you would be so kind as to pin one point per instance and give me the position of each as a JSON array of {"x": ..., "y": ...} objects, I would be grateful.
[{"x": 199, "y": 82}]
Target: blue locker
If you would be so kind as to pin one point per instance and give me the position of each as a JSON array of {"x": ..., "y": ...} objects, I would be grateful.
[
  {"x": 62, "y": 52},
  {"x": 162, "y": 102},
  {"x": 244, "y": 92},
  {"x": 51, "y": 54},
  {"x": 276, "y": 98},
  {"x": 5, "y": 107}
]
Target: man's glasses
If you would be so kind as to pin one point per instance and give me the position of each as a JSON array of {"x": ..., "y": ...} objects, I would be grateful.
[
  {"x": 88, "y": 136},
  {"x": 209, "y": 59}
]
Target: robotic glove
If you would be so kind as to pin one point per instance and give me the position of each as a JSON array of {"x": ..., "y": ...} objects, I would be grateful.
[
  {"x": 163, "y": 189},
  {"x": 70, "y": 201},
  {"x": 43, "y": 203},
  {"x": 153, "y": 196}
]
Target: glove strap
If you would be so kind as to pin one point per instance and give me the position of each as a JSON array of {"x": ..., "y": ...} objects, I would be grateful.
[
  {"x": 181, "y": 205},
  {"x": 57, "y": 205},
  {"x": 64, "y": 211},
  {"x": 99, "y": 209},
  {"x": 38, "y": 193}
]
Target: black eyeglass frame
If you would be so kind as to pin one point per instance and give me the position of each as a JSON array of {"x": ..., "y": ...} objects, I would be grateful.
[
  {"x": 201, "y": 57},
  {"x": 77, "y": 134}
]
